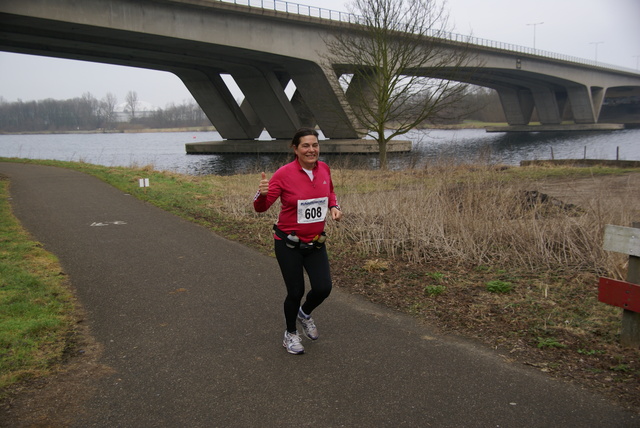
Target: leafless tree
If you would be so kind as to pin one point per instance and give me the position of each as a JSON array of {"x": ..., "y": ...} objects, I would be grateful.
[
  {"x": 132, "y": 104},
  {"x": 398, "y": 71},
  {"x": 108, "y": 109}
]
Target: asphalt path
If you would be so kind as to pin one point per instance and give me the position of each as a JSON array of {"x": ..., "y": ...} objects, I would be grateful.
[{"x": 191, "y": 326}]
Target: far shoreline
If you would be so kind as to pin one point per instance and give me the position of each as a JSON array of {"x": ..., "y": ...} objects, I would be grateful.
[{"x": 465, "y": 125}]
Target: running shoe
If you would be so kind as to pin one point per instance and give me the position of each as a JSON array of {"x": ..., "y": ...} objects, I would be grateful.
[
  {"x": 308, "y": 327},
  {"x": 293, "y": 343}
]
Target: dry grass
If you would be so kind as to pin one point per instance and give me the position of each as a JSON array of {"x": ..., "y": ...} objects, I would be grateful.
[
  {"x": 475, "y": 216},
  {"x": 456, "y": 215}
]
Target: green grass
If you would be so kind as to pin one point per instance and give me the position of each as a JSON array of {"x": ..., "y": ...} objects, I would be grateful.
[
  {"x": 498, "y": 286},
  {"x": 549, "y": 342},
  {"x": 434, "y": 290},
  {"x": 36, "y": 307}
]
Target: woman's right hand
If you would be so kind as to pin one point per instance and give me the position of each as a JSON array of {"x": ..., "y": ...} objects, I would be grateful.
[{"x": 264, "y": 185}]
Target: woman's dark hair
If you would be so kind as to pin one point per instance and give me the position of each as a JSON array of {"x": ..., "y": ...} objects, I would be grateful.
[{"x": 302, "y": 132}]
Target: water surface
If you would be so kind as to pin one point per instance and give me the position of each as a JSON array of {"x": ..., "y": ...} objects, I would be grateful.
[{"x": 166, "y": 150}]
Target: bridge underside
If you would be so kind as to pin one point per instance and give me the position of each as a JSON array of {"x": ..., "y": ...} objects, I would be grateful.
[
  {"x": 262, "y": 78},
  {"x": 554, "y": 99}
]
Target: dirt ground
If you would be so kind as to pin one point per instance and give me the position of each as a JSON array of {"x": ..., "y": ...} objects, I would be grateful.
[
  {"x": 608, "y": 188},
  {"x": 52, "y": 402}
]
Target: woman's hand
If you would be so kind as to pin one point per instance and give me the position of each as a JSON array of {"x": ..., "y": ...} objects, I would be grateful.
[
  {"x": 264, "y": 185},
  {"x": 336, "y": 214}
]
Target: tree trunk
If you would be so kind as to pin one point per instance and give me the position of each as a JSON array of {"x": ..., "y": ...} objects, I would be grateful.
[{"x": 382, "y": 146}]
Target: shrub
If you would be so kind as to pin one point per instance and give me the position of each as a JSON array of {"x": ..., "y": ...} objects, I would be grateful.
[
  {"x": 497, "y": 286},
  {"x": 434, "y": 290}
]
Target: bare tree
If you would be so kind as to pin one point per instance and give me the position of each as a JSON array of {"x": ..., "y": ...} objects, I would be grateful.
[
  {"x": 86, "y": 111},
  {"x": 132, "y": 104},
  {"x": 108, "y": 109},
  {"x": 398, "y": 71}
]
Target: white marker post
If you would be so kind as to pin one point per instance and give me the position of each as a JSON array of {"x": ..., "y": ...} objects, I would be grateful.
[{"x": 144, "y": 182}]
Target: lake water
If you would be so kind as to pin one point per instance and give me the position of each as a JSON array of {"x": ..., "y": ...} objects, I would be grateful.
[{"x": 166, "y": 150}]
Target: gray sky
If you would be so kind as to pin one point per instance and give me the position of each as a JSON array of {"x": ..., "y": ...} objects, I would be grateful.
[{"x": 571, "y": 27}]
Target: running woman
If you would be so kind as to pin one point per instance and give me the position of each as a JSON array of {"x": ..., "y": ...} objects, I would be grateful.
[{"x": 306, "y": 195}]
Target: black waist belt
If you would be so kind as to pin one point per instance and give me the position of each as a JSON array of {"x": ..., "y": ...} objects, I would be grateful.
[
  {"x": 294, "y": 244},
  {"x": 280, "y": 234}
]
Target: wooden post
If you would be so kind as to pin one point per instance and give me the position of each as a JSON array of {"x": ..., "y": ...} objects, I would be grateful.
[
  {"x": 630, "y": 334},
  {"x": 625, "y": 240}
]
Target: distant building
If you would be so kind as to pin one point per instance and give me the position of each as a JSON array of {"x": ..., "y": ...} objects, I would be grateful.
[{"x": 144, "y": 109}]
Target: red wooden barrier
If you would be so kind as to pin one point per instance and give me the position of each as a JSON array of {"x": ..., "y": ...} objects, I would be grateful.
[
  {"x": 623, "y": 294},
  {"x": 625, "y": 240}
]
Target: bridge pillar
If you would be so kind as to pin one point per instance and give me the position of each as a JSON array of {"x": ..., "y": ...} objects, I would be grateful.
[
  {"x": 305, "y": 117},
  {"x": 302, "y": 109},
  {"x": 582, "y": 103},
  {"x": 517, "y": 104},
  {"x": 597, "y": 98},
  {"x": 547, "y": 106},
  {"x": 264, "y": 91},
  {"x": 325, "y": 99},
  {"x": 359, "y": 89},
  {"x": 212, "y": 94}
]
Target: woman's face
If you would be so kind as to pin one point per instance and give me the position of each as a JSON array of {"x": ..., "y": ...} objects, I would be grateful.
[{"x": 307, "y": 151}]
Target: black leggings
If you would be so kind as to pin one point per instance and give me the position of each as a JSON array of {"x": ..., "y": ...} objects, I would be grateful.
[{"x": 292, "y": 261}]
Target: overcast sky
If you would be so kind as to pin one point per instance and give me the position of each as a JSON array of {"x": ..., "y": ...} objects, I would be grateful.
[{"x": 580, "y": 28}]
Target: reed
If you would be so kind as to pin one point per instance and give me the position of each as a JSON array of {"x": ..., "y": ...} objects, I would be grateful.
[
  {"x": 465, "y": 215},
  {"x": 469, "y": 215},
  {"x": 479, "y": 215}
]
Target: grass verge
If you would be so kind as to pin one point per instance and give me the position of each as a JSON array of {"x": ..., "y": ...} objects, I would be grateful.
[{"x": 36, "y": 305}]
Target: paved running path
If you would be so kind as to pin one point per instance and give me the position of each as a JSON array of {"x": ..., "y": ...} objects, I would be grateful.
[{"x": 191, "y": 326}]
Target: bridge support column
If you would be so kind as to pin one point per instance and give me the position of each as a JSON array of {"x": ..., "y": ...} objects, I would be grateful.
[
  {"x": 517, "y": 105},
  {"x": 215, "y": 99},
  {"x": 359, "y": 90},
  {"x": 302, "y": 109},
  {"x": 304, "y": 115},
  {"x": 547, "y": 105},
  {"x": 597, "y": 98},
  {"x": 325, "y": 99},
  {"x": 264, "y": 91},
  {"x": 582, "y": 105}
]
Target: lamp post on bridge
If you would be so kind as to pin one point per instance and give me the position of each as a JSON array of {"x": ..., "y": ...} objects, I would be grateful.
[
  {"x": 596, "y": 43},
  {"x": 535, "y": 24},
  {"x": 637, "y": 57}
]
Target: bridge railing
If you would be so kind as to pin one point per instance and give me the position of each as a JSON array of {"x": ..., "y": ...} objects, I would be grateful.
[{"x": 335, "y": 15}]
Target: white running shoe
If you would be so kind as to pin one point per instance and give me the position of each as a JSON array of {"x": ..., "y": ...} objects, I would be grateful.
[
  {"x": 293, "y": 343},
  {"x": 308, "y": 327}
]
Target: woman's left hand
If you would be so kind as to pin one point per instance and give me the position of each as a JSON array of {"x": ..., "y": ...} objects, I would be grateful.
[{"x": 336, "y": 214}]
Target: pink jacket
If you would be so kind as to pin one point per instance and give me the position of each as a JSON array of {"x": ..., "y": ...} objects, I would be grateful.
[{"x": 305, "y": 203}]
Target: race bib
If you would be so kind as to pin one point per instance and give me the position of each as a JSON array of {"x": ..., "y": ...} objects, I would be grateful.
[{"x": 312, "y": 210}]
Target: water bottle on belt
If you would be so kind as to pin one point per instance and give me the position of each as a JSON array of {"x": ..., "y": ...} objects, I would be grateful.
[{"x": 292, "y": 240}]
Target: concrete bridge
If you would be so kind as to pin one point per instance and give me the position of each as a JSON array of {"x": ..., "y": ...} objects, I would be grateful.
[{"x": 266, "y": 49}]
